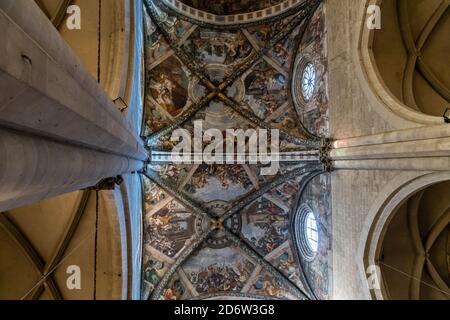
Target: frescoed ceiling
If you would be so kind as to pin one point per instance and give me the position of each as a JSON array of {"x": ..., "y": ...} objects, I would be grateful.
[
  {"x": 227, "y": 7},
  {"x": 225, "y": 231}
]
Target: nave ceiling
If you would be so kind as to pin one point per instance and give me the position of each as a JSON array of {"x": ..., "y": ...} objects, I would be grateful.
[{"x": 226, "y": 230}]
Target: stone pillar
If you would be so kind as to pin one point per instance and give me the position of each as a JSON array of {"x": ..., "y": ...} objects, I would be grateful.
[
  {"x": 59, "y": 131},
  {"x": 425, "y": 148}
]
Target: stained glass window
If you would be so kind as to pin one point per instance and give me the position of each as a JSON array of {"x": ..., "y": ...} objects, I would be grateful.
[{"x": 308, "y": 81}]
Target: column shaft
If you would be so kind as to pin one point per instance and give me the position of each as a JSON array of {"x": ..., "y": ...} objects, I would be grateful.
[
  {"x": 32, "y": 168},
  {"x": 59, "y": 130},
  {"x": 426, "y": 148}
]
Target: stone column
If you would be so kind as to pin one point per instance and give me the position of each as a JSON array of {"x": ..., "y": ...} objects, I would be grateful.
[
  {"x": 59, "y": 131},
  {"x": 425, "y": 148}
]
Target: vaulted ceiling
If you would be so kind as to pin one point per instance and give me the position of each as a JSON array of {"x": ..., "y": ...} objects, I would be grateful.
[
  {"x": 227, "y": 230},
  {"x": 54, "y": 10},
  {"x": 227, "y": 7},
  {"x": 415, "y": 258},
  {"x": 42, "y": 243},
  {"x": 411, "y": 52}
]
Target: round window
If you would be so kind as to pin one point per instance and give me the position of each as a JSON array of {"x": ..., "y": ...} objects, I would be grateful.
[
  {"x": 306, "y": 232},
  {"x": 308, "y": 81},
  {"x": 311, "y": 232}
]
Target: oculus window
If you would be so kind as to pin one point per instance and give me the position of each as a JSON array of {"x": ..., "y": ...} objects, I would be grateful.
[
  {"x": 306, "y": 232},
  {"x": 308, "y": 81}
]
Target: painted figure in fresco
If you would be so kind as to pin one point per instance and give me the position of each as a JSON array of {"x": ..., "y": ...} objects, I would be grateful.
[
  {"x": 155, "y": 44},
  {"x": 236, "y": 46},
  {"x": 170, "y": 228},
  {"x": 177, "y": 29},
  {"x": 286, "y": 123},
  {"x": 176, "y": 291},
  {"x": 162, "y": 221},
  {"x": 244, "y": 47},
  {"x": 153, "y": 272},
  {"x": 167, "y": 91},
  {"x": 169, "y": 295},
  {"x": 158, "y": 241},
  {"x": 263, "y": 32},
  {"x": 151, "y": 276},
  {"x": 168, "y": 21},
  {"x": 266, "y": 32},
  {"x": 231, "y": 47},
  {"x": 287, "y": 264},
  {"x": 270, "y": 102},
  {"x": 289, "y": 189},
  {"x": 272, "y": 228},
  {"x": 156, "y": 122},
  {"x": 227, "y": 175},
  {"x": 216, "y": 47},
  {"x": 265, "y": 90},
  {"x": 266, "y": 285},
  {"x": 154, "y": 39},
  {"x": 164, "y": 87},
  {"x": 271, "y": 290},
  {"x": 153, "y": 194},
  {"x": 222, "y": 174},
  {"x": 257, "y": 82},
  {"x": 171, "y": 171},
  {"x": 280, "y": 52},
  {"x": 221, "y": 277}
]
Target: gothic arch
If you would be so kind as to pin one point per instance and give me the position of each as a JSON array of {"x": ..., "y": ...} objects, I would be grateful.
[
  {"x": 401, "y": 111},
  {"x": 397, "y": 194}
]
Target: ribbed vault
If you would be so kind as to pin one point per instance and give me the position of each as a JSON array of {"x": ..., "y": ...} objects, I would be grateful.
[
  {"x": 411, "y": 52},
  {"x": 224, "y": 230},
  {"x": 55, "y": 10},
  {"x": 416, "y": 265}
]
